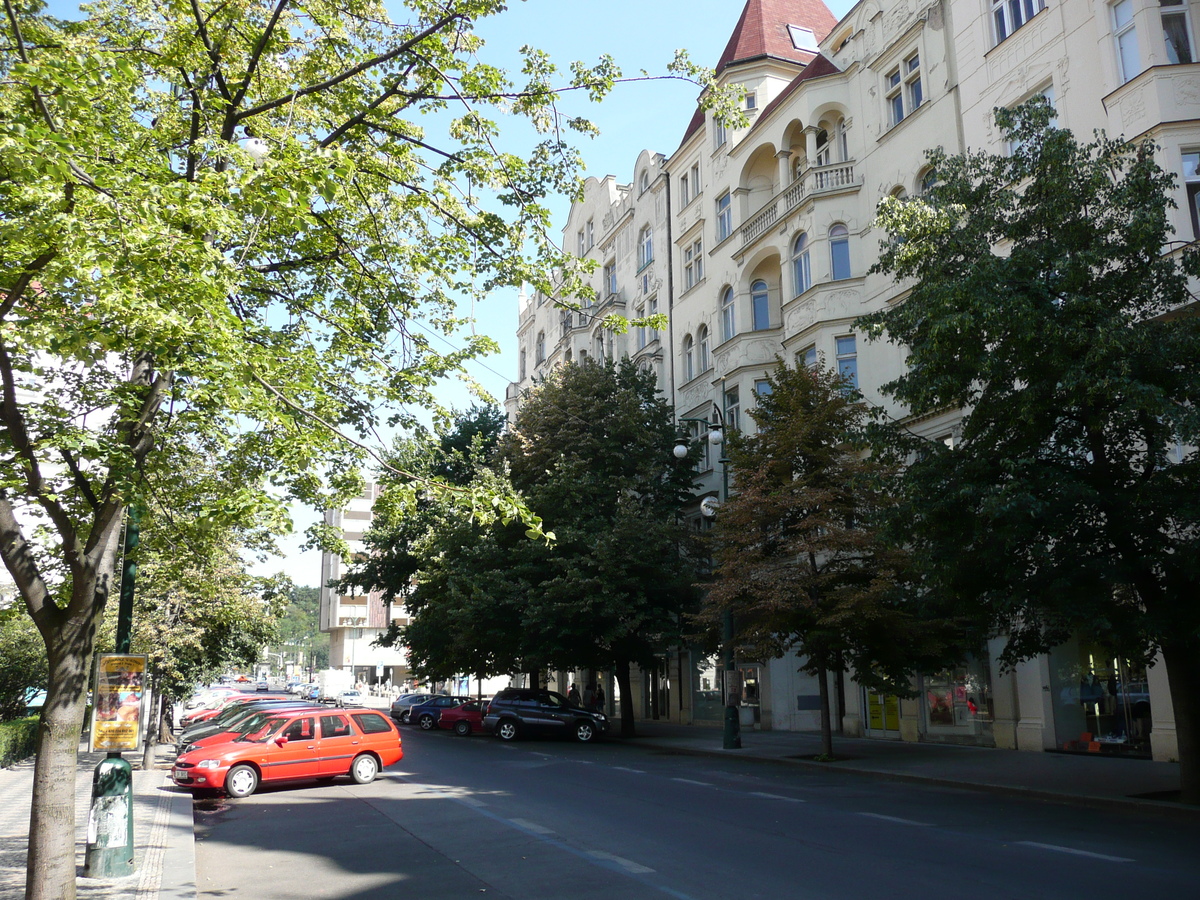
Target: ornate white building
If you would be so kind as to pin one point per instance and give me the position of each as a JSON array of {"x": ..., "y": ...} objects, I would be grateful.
[{"x": 757, "y": 243}]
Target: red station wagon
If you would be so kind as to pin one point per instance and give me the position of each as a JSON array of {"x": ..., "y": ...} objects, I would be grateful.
[{"x": 294, "y": 745}]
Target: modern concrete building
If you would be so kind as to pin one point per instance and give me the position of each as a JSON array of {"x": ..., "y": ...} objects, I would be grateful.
[{"x": 757, "y": 242}]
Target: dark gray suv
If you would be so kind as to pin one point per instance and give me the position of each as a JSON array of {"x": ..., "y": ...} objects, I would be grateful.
[{"x": 516, "y": 712}]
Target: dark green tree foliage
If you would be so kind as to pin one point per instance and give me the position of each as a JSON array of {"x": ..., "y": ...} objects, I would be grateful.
[
  {"x": 22, "y": 661},
  {"x": 590, "y": 449},
  {"x": 1043, "y": 304},
  {"x": 802, "y": 562},
  {"x": 300, "y": 634}
]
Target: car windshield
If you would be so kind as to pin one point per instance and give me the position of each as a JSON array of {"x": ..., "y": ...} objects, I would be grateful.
[{"x": 265, "y": 731}]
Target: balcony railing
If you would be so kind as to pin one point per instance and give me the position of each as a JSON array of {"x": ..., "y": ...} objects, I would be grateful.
[
  {"x": 827, "y": 178},
  {"x": 763, "y": 220},
  {"x": 812, "y": 181}
]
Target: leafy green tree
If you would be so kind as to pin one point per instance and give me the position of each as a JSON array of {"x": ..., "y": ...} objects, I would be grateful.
[
  {"x": 22, "y": 662},
  {"x": 591, "y": 450},
  {"x": 300, "y": 629},
  {"x": 1049, "y": 304},
  {"x": 239, "y": 220},
  {"x": 802, "y": 559}
]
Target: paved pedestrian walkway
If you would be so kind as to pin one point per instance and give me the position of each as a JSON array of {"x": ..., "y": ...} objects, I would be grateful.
[
  {"x": 164, "y": 856},
  {"x": 1093, "y": 779}
]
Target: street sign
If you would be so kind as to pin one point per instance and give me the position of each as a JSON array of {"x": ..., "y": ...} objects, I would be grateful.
[{"x": 117, "y": 707}]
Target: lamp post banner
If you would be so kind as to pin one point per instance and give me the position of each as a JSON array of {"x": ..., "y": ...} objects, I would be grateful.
[{"x": 117, "y": 702}]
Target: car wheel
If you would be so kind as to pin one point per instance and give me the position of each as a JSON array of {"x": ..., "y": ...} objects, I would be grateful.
[
  {"x": 426, "y": 722},
  {"x": 462, "y": 729},
  {"x": 404, "y": 716},
  {"x": 242, "y": 781},
  {"x": 364, "y": 769},
  {"x": 584, "y": 731},
  {"x": 507, "y": 730}
]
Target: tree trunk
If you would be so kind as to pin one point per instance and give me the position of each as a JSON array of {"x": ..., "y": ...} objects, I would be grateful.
[
  {"x": 826, "y": 725},
  {"x": 50, "y": 872},
  {"x": 839, "y": 725},
  {"x": 627, "y": 723},
  {"x": 1182, "y": 658},
  {"x": 156, "y": 702}
]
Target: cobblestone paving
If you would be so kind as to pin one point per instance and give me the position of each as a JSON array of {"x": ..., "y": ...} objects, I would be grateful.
[{"x": 150, "y": 807}]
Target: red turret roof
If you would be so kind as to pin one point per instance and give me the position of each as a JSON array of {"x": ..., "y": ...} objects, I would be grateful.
[{"x": 762, "y": 30}]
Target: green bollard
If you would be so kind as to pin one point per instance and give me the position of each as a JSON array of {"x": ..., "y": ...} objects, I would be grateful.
[{"x": 110, "y": 823}]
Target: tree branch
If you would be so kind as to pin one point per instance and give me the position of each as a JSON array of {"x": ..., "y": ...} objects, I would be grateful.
[
  {"x": 256, "y": 54},
  {"x": 349, "y": 73},
  {"x": 13, "y": 295},
  {"x": 213, "y": 54},
  {"x": 19, "y": 559}
]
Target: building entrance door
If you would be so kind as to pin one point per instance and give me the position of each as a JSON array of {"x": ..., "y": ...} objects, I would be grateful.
[{"x": 883, "y": 714}]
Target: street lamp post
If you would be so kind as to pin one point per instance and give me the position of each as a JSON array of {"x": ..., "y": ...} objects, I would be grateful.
[{"x": 731, "y": 737}]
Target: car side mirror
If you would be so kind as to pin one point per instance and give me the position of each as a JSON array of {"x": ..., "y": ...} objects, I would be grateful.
[{"x": 281, "y": 740}]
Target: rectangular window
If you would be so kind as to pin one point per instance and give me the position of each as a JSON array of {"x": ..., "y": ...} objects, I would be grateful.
[
  {"x": 653, "y": 310},
  {"x": 728, "y": 319},
  {"x": 1176, "y": 31},
  {"x": 699, "y": 435},
  {"x": 1048, "y": 93},
  {"x": 751, "y": 100},
  {"x": 912, "y": 82},
  {"x": 895, "y": 98},
  {"x": 1191, "y": 181},
  {"x": 903, "y": 90},
  {"x": 762, "y": 387},
  {"x": 733, "y": 408},
  {"x": 720, "y": 136},
  {"x": 1125, "y": 34},
  {"x": 839, "y": 252},
  {"x": 696, "y": 186},
  {"x": 1009, "y": 15},
  {"x": 684, "y": 195},
  {"x": 591, "y": 234},
  {"x": 693, "y": 265},
  {"x": 640, "y": 313},
  {"x": 724, "y": 217},
  {"x": 847, "y": 360},
  {"x": 580, "y": 245},
  {"x": 610, "y": 278},
  {"x": 808, "y": 357}
]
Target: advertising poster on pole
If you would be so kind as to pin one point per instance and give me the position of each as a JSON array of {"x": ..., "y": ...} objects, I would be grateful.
[{"x": 117, "y": 705}]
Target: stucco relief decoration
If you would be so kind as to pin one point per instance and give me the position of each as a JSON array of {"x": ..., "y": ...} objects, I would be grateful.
[
  {"x": 1133, "y": 111},
  {"x": 1187, "y": 94},
  {"x": 719, "y": 166},
  {"x": 898, "y": 18},
  {"x": 693, "y": 396},
  {"x": 1063, "y": 81},
  {"x": 799, "y": 317},
  {"x": 933, "y": 17}
]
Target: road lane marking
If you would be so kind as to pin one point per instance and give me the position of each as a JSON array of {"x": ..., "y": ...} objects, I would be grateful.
[
  {"x": 627, "y": 864},
  {"x": 775, "y": 797},
  {"x": 627, "y": 769},
  {"x": 531, "y": 826},
  {"x": 689, "y": 781},
  {"x": 1074, "y": 852},
  {"x": 895, "y": 819}
]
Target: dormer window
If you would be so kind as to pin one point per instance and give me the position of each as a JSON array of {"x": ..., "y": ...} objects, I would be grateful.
[
  {"x": 803, "y": 38},
  {"x": 751, "y": 100}
]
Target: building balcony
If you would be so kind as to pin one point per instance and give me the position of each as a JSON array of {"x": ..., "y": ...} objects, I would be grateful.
[
  {"x": 1158, "y": 95},
  {"x": 811, "y": 183}
]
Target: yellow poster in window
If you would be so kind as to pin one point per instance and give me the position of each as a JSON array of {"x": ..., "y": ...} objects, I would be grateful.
[{"x": 117, "y": 702}]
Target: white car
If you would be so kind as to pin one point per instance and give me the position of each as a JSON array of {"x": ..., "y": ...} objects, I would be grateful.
[{"x": 349, "y": 698}]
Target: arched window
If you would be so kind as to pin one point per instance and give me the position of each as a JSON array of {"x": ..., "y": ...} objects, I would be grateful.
[
  {"x": 599, "y": 345},
  {"x": 928, "y": 180},
  {"x": 539, "y": 351},
  {"x": 801, "y": 267},
  {"x": 759, "y": 306},
  {"x": 824, "y": 150},
  {"x": 702, "y": 355},
  {"x": 645, "y": 247},
  {"x": 689, "y": 359},
  {"x": 645, "y": 182},
  {"x": 839, "y": 252},
  {"x": 728, "y": 322}
]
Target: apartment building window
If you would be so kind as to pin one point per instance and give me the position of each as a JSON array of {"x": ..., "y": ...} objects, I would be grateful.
[
  {"x": 652, "y": 309},
  {"x": 645, "y": 183},
  {"x": 689, "y": 358},
  {"x": 564, "y": 323},
  {"x": 699, "y": 436},
  {"x": 640, "y": 313},
  {"x": 762, "y": 387},
  {"x": 847, "y": 360},
  {"x": 645, "y": 247},
  {"x": 579, "y": 245},
  {"x": 1009, "y": 15},
  {"x": 904, "y": 91},
  {"x": 591, "y": 234},
  {"x": 693, "y": 265},
  {"x": 610, "y": 278},
  {"x": 684, "y": 191},
  {"x": 523, "y": 370},
  {"x": 824, "y": 148},
  {"x": 724, "y": 216},
  {"x": 1125, "y": 35},
  {"x": 1191, "y": 181},
  {"x": 1176, "y": 30},
  {"x": 760, "y": 308},
  {"x": 728, "y": 322},
  {"x": 1048, "y": 93},
  {"x": 751, "y": 100},
  {"x": 839, "y": 252},
  {"x": 697, "y": 187},
  {"x": 808, "y": 357},
  {"x": 720, "y": 135},
  {"x": 702, "y": 355},
  {"x": 801, "y": 266},
  {"x": 539, "y": 350},
  {"x": 733, "y": 409}
]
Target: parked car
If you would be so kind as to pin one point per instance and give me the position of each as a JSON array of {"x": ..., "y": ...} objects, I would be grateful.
[
  {"x": 402, "y": 706},
  {"x": 311, "y": 691},
  {"x": 197, "y": 716},
  {"x": 515, "y": 712},
  {"x": 263, "y": 685},
  {"x": 465, "y": 718},
  {"x": 230, "y": 717},
  {"x": 426, "y": 714},
  {"x": 306, "y": 744},
  {"x": 349, "y": 698}
]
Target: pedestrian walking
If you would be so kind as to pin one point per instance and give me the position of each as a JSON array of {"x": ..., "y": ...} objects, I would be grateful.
[
  {"x": 573, "y": 695},
  {"x": 600, "y": 697}
]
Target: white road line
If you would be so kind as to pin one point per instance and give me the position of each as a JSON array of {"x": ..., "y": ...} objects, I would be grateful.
[
  {"x": 627, "y": 864},
  {"x": 531, "y": 826},
  {"x": 895, "y": 819},
  {"x": 627, "y": 769},
  {"x": 775, "y": 797},
  {"x": 1074, "y": 852},
  {"x": 689, "y": 781}
]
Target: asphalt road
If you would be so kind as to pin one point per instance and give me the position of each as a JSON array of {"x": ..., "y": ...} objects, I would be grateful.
[{"x": 471, "y": 817}]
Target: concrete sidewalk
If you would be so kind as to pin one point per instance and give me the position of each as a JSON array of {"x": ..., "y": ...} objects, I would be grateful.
[
  {"x": 164, "y": 839},
  {"x": 1092, "y": 780}
]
